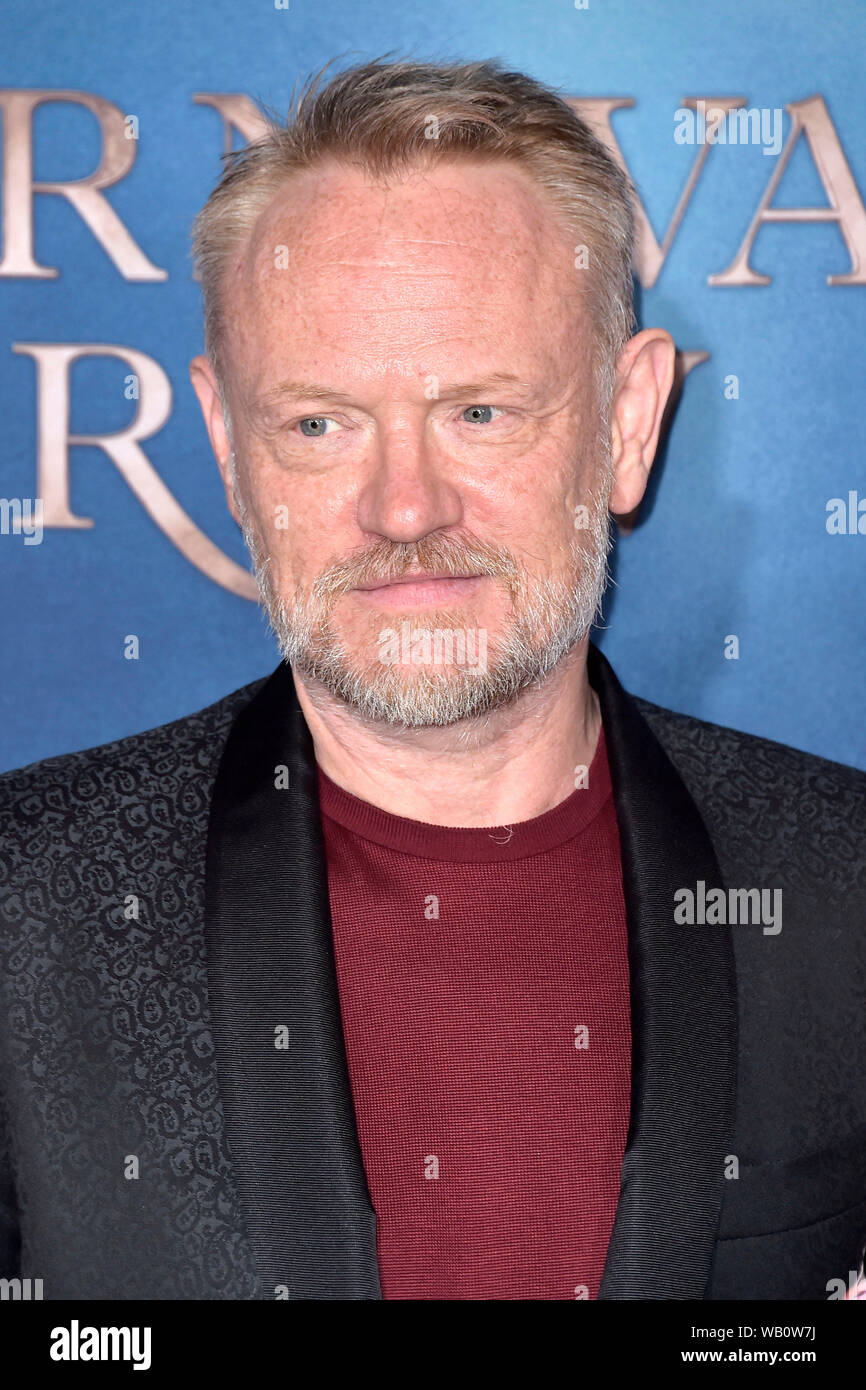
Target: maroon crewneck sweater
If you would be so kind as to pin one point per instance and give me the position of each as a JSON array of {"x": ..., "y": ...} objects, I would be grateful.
[{"x": 484, "y": 991}]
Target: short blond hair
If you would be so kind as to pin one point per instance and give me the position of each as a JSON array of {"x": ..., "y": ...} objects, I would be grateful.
[{"x": 379, "y": 116}]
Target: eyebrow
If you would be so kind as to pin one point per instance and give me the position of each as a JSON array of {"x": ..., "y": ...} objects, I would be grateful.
[{"x": 316, "y": 391}]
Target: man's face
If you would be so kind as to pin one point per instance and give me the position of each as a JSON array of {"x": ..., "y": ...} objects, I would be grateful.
[{"x": 412, "y": 390}]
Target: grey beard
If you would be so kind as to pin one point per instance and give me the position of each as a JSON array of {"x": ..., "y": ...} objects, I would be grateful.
[{"x": 550, "y": 618}]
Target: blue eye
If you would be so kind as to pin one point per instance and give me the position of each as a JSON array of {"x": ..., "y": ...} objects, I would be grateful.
[
  {"x": 478, "y": 414},
  {"x": 316, "y": 425}
]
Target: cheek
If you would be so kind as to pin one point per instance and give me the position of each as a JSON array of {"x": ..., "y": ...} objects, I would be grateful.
[
  {"x": 295, "y": 520},
  {"x": 543, "y": 505},
  {"x": 300, "y": 555},
  {"x": 322, "y": 527}
]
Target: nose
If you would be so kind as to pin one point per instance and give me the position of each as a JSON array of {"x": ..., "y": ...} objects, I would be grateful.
[{"x": 407, "y": 494}]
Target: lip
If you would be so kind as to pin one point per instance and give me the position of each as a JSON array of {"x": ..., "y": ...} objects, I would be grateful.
[
  {"x": 421, "y": 577},
  {"x": 420, "y": 590}
]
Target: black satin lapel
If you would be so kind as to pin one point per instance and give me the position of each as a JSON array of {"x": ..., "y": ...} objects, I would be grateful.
[
  {"x": 289, "y": 1115},
  {"x": 684, "y": 1022}
]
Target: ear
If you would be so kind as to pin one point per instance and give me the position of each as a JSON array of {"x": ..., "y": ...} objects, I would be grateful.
[
  {"x": 204, "y": 384},
  {"x": 644, "y": 377}
]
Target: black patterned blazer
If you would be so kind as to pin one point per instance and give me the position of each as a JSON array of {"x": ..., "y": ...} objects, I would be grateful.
[{"x": 164, "y": 908}]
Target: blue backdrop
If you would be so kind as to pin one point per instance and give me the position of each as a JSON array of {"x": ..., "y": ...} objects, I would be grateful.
[{"x": 734, "y": 540}]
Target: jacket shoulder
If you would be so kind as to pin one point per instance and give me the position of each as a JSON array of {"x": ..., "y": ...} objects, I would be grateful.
[
  {"x": 115, "y": 776},
  {"x": 756, "y": 792},
  {"x": 702, "y": 741}
]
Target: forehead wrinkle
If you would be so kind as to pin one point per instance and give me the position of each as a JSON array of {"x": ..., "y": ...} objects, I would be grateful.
[
  {"x": 405, "y": 271},
  {"x": 348, "y": 338},
  {"x": 375, "y": 289},
  {"x": 524, "y": 202},
  {"x": 521, "y": 254},
  {"x": 529, "y": 273}
]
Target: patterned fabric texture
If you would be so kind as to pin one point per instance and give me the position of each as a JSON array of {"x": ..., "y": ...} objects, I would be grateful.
[{"x": 116, "y": 1176}]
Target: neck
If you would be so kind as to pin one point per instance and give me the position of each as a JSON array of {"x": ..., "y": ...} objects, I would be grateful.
[{"x": 506, "y": 767}]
